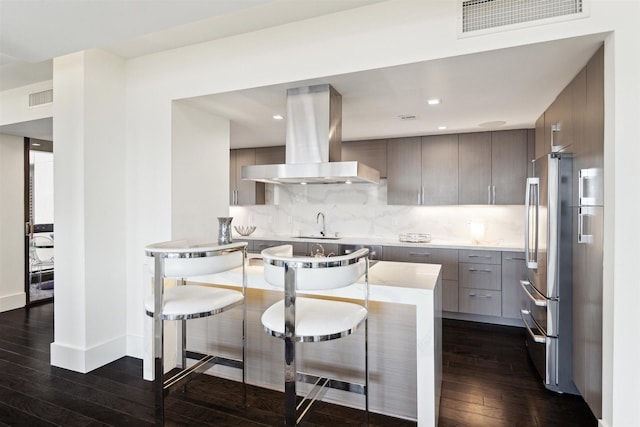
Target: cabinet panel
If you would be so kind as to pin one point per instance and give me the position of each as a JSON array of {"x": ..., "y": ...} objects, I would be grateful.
[
  {"x": 242, "y": 192},
  {"x": 474, "y": 173},
  {"x": 559, "y": 116},
  {"x": 270, "y": 155},
  {"x": 404, "y": 171},
  {"x": 479, "y": 301},
  {"x": 514, "y": 269},
  {"x": 372, "y": 153},
  {"x": 541, "y": 147},
  {"x": 480, "y": 276},
  {"x": 440, "y": 170},
  {"x": 509, "y": 155},
  {"x": 479, "y": 257},
  {"x": 448, "y": 258},
  {"x": 450, "y": 295}
]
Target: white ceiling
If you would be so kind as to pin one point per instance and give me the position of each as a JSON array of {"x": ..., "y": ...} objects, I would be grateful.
[{"x": 510, "y": 85}]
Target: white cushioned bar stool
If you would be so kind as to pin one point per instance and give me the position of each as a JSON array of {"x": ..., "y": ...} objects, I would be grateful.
[
  {"x": 311, "y": 319},
  {"x": 179, "y": 260}
]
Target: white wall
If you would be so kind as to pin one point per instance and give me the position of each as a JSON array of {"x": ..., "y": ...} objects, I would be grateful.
[
  {"x": 89, "y": 184},
  {"x": 12, "y": 280},
  {"x": 14, "y": 104},
  {"x": 199, "y": 192},
  {"x": 384, "y": 34}
]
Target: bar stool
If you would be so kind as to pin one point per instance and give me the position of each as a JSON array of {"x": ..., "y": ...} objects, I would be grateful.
[
  {"x": 181, "y": 259},
  {"x": 310, "y": 319}
]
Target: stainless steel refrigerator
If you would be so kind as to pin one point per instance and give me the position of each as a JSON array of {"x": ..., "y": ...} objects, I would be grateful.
[{"x": 547, "y": 315}]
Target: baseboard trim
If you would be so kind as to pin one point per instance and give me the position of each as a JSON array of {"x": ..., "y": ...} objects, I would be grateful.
[
  {"x": 86, "y": 360},
  {"x": 11, "y": 302}
]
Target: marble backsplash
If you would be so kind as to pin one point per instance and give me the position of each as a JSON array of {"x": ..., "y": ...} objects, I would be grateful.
[{"x": 361, "y": 210}]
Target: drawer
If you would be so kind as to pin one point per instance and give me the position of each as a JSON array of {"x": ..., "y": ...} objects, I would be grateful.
[
  {"x": 480, "y": 257},
  {"x": 479, "y": 301},
  {"x": 448, "y": 258},
  {"x": 260, "y": 245},
  {"x": 480, "y": 276},
  {"x": 513, "y": 256}
]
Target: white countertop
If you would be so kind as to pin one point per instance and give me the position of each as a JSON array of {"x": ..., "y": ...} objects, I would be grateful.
[
  {"x": 354, "y": 240},
  {"x": 386, "y": 278}
]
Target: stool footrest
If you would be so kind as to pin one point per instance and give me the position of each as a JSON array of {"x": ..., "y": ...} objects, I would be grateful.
[
  {"x": 332, "y": 383},
  {"x": 204, "y": 362},
  {"x": 319, "y": 388}
]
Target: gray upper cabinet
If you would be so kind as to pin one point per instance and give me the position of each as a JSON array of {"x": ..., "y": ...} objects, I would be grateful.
[
  {"x": 404, "y": 171},
  {"x": 270, "y": 155},
  {"x": 509, "y": 166},
  {"x": 372, "y": 153},
  {"x": 493, "y": 167},
  {"x": 241, "y": 192},
  {"x": 440, "y": 170},
  {"x": 474, "y": 168},
  {"x": 423, "y": 171},
  {"x": 558, "y": 122}
]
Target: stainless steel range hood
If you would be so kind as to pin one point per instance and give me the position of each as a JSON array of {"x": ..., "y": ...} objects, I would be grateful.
[{"x": 313, "y": 143}]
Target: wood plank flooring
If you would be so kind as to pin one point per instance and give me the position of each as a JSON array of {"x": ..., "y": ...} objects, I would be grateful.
[{"x": 488, "y": 381}]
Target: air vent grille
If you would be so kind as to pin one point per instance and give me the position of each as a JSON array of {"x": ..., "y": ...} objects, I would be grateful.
[
  {"x": 40, "y": 98},
  {"x": 483, "y": 14}
]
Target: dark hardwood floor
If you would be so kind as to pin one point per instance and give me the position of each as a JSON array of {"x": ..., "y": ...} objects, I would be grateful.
[{"x": 487, "y": 381}]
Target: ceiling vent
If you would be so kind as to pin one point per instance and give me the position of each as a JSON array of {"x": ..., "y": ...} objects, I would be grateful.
[
  {"x": 485, "y": 14},
  {"x": 41, "y": 98}
]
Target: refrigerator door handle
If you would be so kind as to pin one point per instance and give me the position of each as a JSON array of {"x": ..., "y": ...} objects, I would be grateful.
[
  {"x": 539, "y": 338},
  {"x": 538, "y": 299},
  {"x": 531, "y": 221}
]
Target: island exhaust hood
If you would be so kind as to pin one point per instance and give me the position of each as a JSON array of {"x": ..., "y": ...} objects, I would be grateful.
[{"x": 313, "y": 143}]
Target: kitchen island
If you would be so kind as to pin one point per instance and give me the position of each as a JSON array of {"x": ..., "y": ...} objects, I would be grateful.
[{"x": 404, "y": 340}]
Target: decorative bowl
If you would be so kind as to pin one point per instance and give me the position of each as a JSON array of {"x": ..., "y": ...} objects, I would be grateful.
[{"x": 245, "y": 230}]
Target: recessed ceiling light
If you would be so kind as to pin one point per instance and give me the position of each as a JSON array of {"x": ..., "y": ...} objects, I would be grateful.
[
  {"x": 433, "y": 101},
  {"x": 442, "y": 127},
  {"x": 347, "y": 182},
  {"x": 303, "y": 183},
  {"x": 35, "y": 144},
  {"x": 278, "y": 117}
]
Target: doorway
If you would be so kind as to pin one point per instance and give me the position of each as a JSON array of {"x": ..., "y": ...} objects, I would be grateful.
[{"x": 39, "y": 222}]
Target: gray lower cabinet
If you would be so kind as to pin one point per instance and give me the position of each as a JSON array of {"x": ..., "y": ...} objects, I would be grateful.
[
  {"x": 480, "y": 285},
  {"x": 448, "y": 258},
  {"x": 514, "y": 269}
]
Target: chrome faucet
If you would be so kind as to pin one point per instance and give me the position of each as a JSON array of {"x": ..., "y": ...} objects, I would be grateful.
[{"x": 324, "y": 227}]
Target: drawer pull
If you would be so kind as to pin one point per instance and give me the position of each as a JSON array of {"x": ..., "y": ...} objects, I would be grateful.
[
  {"x": 480, "y": 256},
  {"x": 480, "y": 271},
  {"x": 480, "y": 296},
  {"x": 419, "y": 254}
]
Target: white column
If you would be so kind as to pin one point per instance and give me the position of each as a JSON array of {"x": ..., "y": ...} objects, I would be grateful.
[
  {"x": 89, "y": 155},
  {"x": 12, "y": 280}
]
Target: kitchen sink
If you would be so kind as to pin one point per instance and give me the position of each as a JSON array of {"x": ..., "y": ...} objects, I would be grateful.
[{"x": 317, "y": 236}]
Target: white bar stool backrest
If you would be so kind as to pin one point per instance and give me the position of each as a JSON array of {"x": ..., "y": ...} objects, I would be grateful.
[
  {"x": 314, "y": 273},
  {"x": 184, "y": 259}
]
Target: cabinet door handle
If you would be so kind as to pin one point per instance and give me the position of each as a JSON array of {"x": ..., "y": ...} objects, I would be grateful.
[
  {"x": 479, "y": 256},
  {"x": 419, "y": 254},
  {"x": 493, "y": 194},
  {"x": 514, "y": 259},
  {"x": 479, "y": 296},
  {"x": 479, "y": 271},
  {"x": 488, "y": 194}
]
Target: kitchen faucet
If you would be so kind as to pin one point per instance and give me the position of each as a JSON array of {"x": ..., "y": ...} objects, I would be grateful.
[{"x": 324, "y": 227}]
